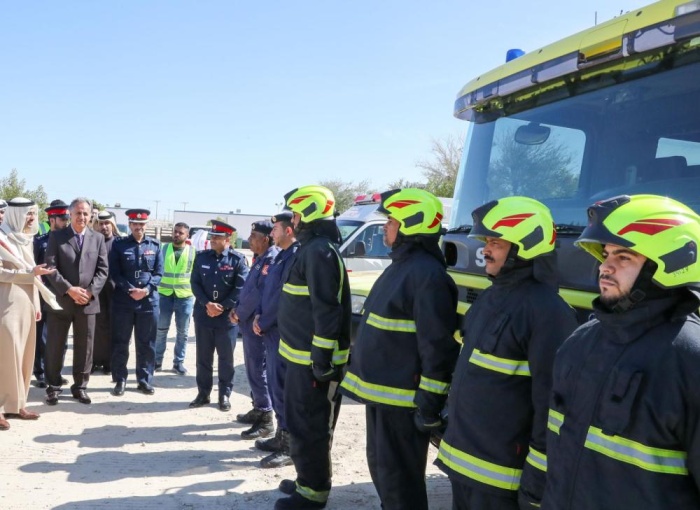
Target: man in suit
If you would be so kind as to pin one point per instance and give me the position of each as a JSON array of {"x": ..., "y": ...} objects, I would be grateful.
[{"x": 80, "y": 258}]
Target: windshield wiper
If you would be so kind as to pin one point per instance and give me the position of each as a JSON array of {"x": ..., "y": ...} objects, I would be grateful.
[
  {"x": 459, "y": 230},
  {"x": 569, "y": 229}
]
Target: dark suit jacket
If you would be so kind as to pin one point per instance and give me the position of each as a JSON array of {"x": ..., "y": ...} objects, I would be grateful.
[{"x": 86, "y": 268}]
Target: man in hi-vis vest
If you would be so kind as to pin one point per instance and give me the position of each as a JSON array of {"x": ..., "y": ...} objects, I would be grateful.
[{"x": 175, "y": 296}]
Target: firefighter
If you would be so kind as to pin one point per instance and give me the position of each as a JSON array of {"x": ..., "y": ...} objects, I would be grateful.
[
  {"x": 405, "y": 351},
  {"x": 314, "y": 325},
  {"x": 624, "y": 413},
  {"x": 494, "y": 448}
]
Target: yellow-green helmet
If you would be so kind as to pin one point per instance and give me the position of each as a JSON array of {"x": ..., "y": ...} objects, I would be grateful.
[
  {"x": 311, "y": 202},
  {"x": 522, "y": 221},
  {"x": 417, "y": 211},
  {"x": 660, "y": 228}
]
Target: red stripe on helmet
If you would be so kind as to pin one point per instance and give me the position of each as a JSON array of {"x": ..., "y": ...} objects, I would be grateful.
[
  {"x": 512, "y": 221},
  {"x": 299, "y": 199},
  {"x": 436, "y": 221},
  {"x": 650, "y": 227},
  {"x": 399, "y": 204},
  {"x": 329, "y": 204}
]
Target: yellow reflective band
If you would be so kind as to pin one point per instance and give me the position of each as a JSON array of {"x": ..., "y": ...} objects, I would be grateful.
[
  {"x": 537, "y": 459},
  {"x": 554, "y": 421},
  {"x": 324, "y": 343},
  {"x": 502, "y": 365},
  {"x": 294, "y": 355},
  {"x": 657, "y": 460},
  {"x": 295, "y": 290},
  {"x": 404, "y": 326},
  {"x": 341, "y": 357},
  {"x": 479, "y": 469},
  {"x": 433, "y": 386},
  {"x": 378, "y": 393},
  {"x": 312, "y": 495}
]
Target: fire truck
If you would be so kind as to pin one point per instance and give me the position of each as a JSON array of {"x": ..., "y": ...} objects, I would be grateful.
[{"x": 613, "y": 110}]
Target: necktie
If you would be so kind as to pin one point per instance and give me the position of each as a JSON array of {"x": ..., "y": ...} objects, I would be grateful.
[{"x": 79, "y": 239}]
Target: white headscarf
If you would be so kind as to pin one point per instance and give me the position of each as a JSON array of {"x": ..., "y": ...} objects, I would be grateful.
[{"x": 16, "y": 218}]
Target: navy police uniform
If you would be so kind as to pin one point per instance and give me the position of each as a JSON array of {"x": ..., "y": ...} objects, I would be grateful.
[
  {"x": 134, "y": 265},
  {"x": 216, "y": 279},
  {"x": 58, "y": 208},
  {"x": 253, "y": 348},
  {"x": 267, "y": 321}
]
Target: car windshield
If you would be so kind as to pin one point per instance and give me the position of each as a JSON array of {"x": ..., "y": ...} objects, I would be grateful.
[
  {"x": 347, "y": 227},
  {"x": 635, "y": 137}
]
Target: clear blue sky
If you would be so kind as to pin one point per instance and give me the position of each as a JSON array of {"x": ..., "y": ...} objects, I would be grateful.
[{"x": 228, "y": 104}]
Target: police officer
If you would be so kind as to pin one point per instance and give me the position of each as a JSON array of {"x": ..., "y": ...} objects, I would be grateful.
[
  {"x": 314, "y": 323},
  {"x": 58, "y": 218},
  {"x": 494, "y": 448},
  {"x": 265, "y": 326},
  {"x": 136, "y": 267},
  {"x": 405, "y": 350},
  {"x": 217, "y": 279},
  {"x": 264, "y": 251},
  {"x": 625, "y": 407}
]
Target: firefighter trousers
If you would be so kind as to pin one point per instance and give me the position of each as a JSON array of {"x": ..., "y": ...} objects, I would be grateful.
[
  {"x": 466, "y": 497},
  {"x": 311, "y": 411},
  {"x": 397, "y": 453}
]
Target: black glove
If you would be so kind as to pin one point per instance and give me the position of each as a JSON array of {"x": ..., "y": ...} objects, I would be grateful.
[
  {"x": 325, "y": 374},
  {"x": 427, "y": 422}
]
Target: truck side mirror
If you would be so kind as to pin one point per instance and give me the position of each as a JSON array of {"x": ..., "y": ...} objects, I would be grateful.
[{"x": 360, "y": 249}]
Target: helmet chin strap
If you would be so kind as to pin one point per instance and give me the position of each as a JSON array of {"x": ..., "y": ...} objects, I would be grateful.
[{"x": 643, "y": 287}]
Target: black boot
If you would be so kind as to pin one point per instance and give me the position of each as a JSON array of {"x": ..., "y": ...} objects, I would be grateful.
[
  {"x": 271, "y": 444},
  {"x": 279, "y": 458},
  {"x": 298, "y": 502},
  {"x": 250, "y": 418},
  {"x": 261, "y": 428}
]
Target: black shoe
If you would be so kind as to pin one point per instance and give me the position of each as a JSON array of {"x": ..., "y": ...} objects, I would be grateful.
[
  {"x": 200, "y": 400},
  {"x": 180, "y": 369},
  {"x": 250, "y": 417},
  {"x": 82, "y": 396},
  {"x": 276, "y": 460},
  {"x": 270, "y": 444},
  {"x": 159, "y": 367},
  {"x": 298, "y": 502},
  {"x": 287, "y": 486},
  {"x": 224, "y": 404},
  {"x": 261, "y": 428},
  {"x": 40, "y": 383},
  {"x": 118, "y": 390},
  {"x": 95, "y": 368},
  {"x": 52, "y": 398},
  {"x": 106, "y": 370},
  {"x": 64, "y": 381},
  {"x": 145, "y": 388}
]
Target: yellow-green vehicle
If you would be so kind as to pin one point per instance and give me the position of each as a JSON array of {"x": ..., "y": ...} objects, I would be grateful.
[{"x": 612, "y": 110}]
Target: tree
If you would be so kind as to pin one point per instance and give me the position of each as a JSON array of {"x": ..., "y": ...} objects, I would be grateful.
[
  {"x": 404, "y": 183},
  {"x": 440, "y": 172},
  {"x": 12, "y": 186},
  {"x": 345, "y": 192},
  {"x": 537, "y": 171}
]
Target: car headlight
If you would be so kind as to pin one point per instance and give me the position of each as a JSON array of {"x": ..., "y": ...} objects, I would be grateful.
[{"x": 357, "y": 303}]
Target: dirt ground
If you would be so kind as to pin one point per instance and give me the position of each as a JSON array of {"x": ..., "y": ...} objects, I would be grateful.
[{"x": 140, "y": 452}]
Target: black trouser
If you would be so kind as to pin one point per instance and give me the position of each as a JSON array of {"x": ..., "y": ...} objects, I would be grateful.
[
  {"x": 397, "y": 453},
  {"x": 311, "y": 411},
  {"x": 56, "y": 338},
  {"x": 221, "y": 340},
  {"x": 40, "y": 349},
  {"x": 466, "y": 497},
  {"x": 102, "y": 351}
]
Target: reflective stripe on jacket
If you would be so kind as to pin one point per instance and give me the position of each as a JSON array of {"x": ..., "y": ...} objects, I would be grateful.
[{"x": 405, "y": 350}]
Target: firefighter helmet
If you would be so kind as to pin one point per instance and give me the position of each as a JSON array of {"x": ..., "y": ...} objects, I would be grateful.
[
  {"x": 522, "y": 221},
  {"x": 417, "y": 211},
  {"x": 660, "y": 228},
  {"x": 311, "y": 202}
]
